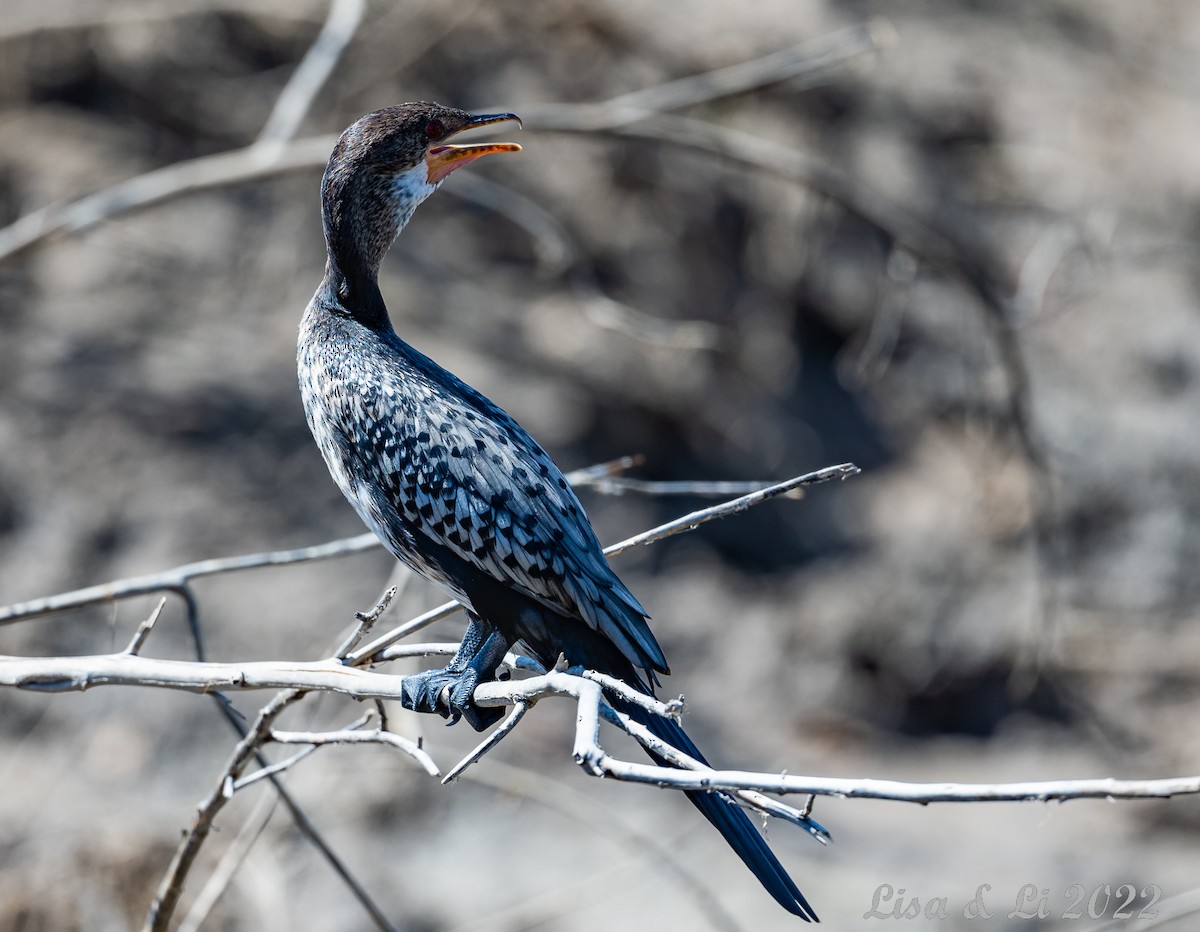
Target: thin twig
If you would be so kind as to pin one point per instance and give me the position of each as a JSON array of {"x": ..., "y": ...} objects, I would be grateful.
[
  {"x": 672, "y": 709},
  {"x": 620, "y": 485},
  {"x": 347, "y": 736},
  {"x": 510, "y": 722},
  {"x": 271, "y": 770},
  {"x": 229, "y": 864},
  {"x": 144, "y": 629},
  {"x": 409, "y": 651},
  {"x": 690, "y": 522},
  {"x": 178, "y": 577},
  {"x": 366, "y": 621},
  {"x": 373, "y": 650}
]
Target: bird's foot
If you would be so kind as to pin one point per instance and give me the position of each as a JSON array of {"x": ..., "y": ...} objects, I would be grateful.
[{"x": 448, "y": 692}]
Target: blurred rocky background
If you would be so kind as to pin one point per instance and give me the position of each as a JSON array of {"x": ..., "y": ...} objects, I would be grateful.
[{"x": 1008, "y": 592}]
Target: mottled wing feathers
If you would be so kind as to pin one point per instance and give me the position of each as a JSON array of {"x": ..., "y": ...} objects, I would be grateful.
[{"x": 461, "y": 471}]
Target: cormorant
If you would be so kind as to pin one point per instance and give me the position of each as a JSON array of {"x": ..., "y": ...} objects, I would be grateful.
[{"x": 450, "y": 483}]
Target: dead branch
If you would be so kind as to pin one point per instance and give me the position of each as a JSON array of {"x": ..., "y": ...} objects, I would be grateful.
[
  {"x": 804, "y": 64},
  {"x": 169, "y": 891},
  {"x": 259, "y": 161},
  {"x": 178, "y": 577},
  {"x": 229, "y": 864},
  {"x": 64, "y": 673},
  {"x": 294, "y": 101},
  {"x": 348, "y": 736}
]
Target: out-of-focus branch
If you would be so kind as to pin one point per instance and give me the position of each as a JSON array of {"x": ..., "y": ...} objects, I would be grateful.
[
  {"x": 178, "y": 577},
  {"x": 805, "y": 63},
  {"x": 162, "y": 184},
  {"x": 21, "y": 21},
  {"x": 313, "y": 71},
  {"x": 258, "y": 161},
  {"x": 230, "y": 863},
  {"x": 347, "y": 736}
]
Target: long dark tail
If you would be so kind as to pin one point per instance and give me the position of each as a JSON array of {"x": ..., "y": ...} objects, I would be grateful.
[{"x": 726, "y": 816}]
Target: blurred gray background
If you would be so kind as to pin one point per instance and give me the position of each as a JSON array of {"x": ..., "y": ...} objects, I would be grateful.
[{"x": 1008, "y": 592}]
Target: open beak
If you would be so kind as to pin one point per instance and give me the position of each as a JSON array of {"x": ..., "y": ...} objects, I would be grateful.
[{"x": 442, "y": 160}]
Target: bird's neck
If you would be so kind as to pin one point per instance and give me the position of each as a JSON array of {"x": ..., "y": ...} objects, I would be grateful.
[
  {"x": 362, "y": 218},
  {"x": 353, "y": 289}
]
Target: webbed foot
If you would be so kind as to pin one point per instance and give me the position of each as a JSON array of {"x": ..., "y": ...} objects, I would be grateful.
[{"x": 448, "y": 693}]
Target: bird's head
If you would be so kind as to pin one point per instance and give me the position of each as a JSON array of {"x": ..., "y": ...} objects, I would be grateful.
[{"x": 386, "y": 164}]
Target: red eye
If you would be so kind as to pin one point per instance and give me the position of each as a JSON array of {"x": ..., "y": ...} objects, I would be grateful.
[{"x": 434, "y": 129}]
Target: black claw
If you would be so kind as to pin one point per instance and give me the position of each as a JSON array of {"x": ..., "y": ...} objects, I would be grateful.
[{"x": 479, "y": 719}]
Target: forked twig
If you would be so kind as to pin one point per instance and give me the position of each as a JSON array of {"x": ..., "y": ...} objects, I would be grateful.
[
  {"x": 171, "y": 887},
  {"x": 501, "y": 731}
]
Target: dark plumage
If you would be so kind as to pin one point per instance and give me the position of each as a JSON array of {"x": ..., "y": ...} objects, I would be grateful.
[{"x": 452, "y": 485}]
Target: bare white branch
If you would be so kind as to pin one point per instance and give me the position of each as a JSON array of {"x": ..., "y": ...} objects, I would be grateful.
[
  {"x": 502, "y": 730},
  {"x": 672, "y": 709},
  {"x": 266, "y": 771},
  {"x": 72, "y": 674},
  {"x": 67, "y": 673},
  {"x": 751, "y": 799},
  {"x": 589, "y": 754},
  {"x": 348, "y": 736}
]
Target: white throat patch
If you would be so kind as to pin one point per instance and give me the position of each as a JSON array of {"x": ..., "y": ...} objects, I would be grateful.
[{"x": 410, "y": 188}]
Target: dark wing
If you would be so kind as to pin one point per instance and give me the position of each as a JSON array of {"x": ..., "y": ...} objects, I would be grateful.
[{"x": 465, "y": 474}]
